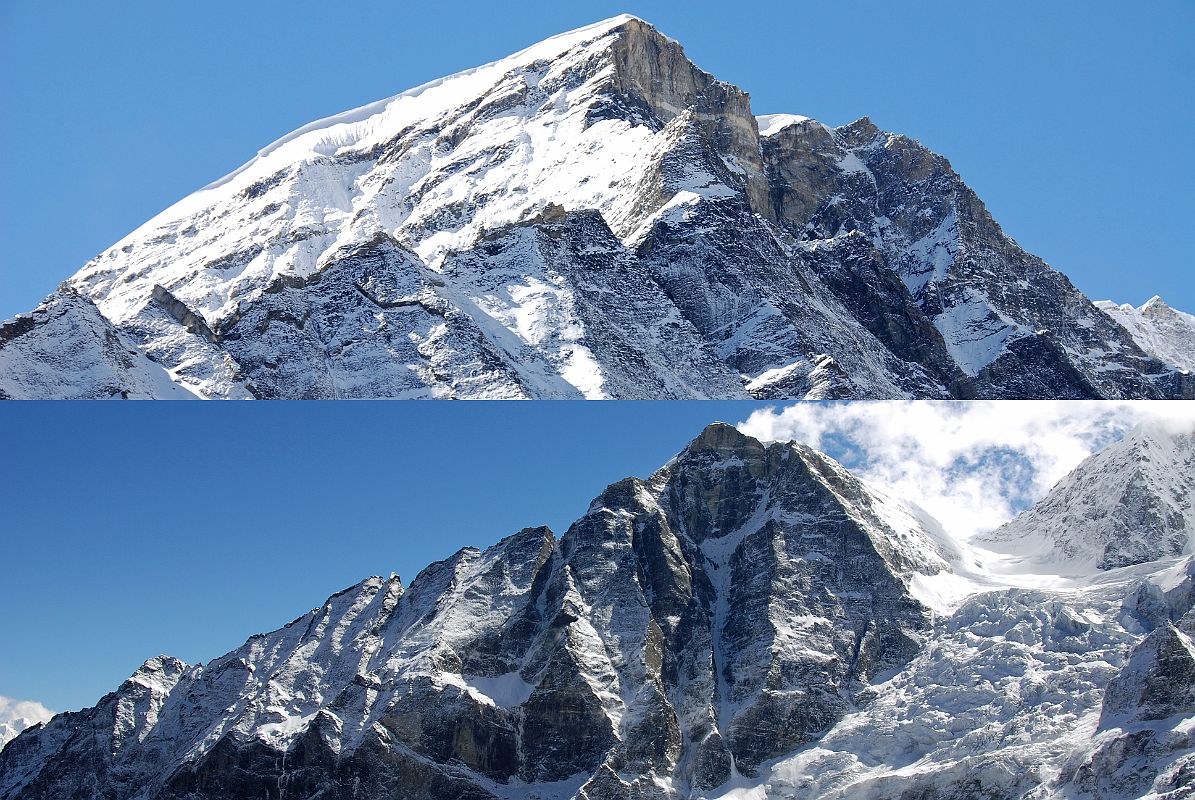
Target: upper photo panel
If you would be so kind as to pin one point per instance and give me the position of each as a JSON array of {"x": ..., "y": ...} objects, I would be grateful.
[{"x": 598, "y": 217}]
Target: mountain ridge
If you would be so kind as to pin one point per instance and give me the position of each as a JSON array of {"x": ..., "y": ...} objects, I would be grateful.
[
  {"x": 698, "y": 257},
  {"x": 747, "y": 617}
]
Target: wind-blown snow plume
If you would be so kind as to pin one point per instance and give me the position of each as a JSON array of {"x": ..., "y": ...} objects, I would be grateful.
[{"x": 972, "y": 465}]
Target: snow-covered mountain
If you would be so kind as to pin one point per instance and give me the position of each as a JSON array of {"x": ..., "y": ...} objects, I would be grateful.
[
  {"x": 1131, "y": 503},
  {"x": 1162, "y": 331},
  {"x": 750, "y": 621},
  {"x": 66, "y": 349},
  {"x": 591, "y": 217}
]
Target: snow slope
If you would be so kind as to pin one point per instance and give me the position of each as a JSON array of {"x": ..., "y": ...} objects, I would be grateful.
[
  {"x": 66, "y": 349},
  {"x": 1131, "y": 503},
  {"x": 1158, "y": 329}
]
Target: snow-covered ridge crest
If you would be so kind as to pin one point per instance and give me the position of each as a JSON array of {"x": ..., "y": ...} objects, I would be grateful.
[
  {"x": 340, "y": 131},
  {"x": 1157, "y": 328},
  {"x": 774, "y": 123},
  {"x": 345, "y": 178}
]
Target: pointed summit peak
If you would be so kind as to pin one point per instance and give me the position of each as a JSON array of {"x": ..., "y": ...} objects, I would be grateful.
[
  {"x": 722, "y": 436},
  {"x": 528, "y": 544},
  {"x": 860, "y": 132},
  {"x": 1154, "y": 302},
  {"x": 159, "y": 673},
  {"x": 1128, "y": 504},
  {"x": 610, "y": 23}
]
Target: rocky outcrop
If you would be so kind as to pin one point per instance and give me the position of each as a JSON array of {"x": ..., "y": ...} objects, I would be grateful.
[
  {"x": 652, "y": 70},
  {"x": 192, "y": 322},
  {"x": 66, "y": 349},
  {"x": 371, "y": 323},
  {"x": 1157, "y": 683}
]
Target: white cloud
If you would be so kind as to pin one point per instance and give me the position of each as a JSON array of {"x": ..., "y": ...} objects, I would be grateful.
[
  {"x": 17, "y": 715},
  {"x": 973, "y": 465}
]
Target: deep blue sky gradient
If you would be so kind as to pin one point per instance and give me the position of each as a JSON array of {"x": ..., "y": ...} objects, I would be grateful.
[
  {"x": 128, "y": 530},
  {"x": 1071, "y": 119}
]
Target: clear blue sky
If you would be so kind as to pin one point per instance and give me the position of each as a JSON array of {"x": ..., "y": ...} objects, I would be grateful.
[
  {"x": 128, "y": 530},
  {"x": 1072, "y": 119}
]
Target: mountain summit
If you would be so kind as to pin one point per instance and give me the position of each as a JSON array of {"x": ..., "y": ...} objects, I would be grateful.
[
  {"x": 594, "y": 216},
  {"x": 1131, "y": 503},
  {"x": 750, "y": 620}
]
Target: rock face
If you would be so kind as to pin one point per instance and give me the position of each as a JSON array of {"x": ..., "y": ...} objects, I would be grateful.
[
  {"x": 686, "y": 630},
  {"x": 1157, "y": 683},
  {"x": 749, "y": 618},
  {"x": 595, "y": 216},
  {"x": 1147, "y": 711}
]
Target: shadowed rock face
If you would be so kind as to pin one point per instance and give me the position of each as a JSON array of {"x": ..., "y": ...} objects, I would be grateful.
[
  {"x": 1157, "y": 683},
  {"x": 1154, "y": 689},
  {"x": 1003, "y": 314},
  {"x": 721, "y": 613},
  {"x": 701, "y": 257}
]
